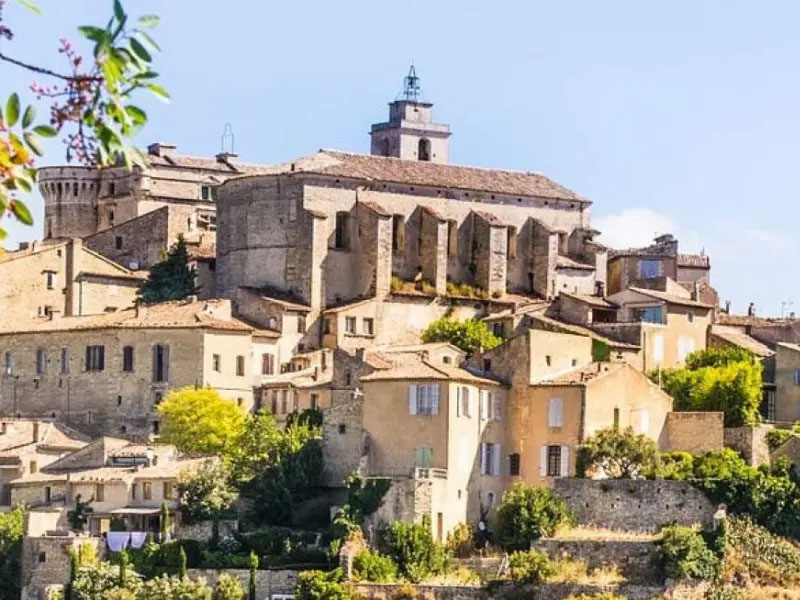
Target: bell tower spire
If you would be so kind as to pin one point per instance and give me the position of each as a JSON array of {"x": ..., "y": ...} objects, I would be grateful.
[{"x": 410, "y": 133}]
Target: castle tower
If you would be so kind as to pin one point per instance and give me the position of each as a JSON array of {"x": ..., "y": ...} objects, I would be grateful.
[{"x": 409, "y": 133}]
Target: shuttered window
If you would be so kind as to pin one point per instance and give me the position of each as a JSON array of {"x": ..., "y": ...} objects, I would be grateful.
[
  {"x": 423, "y": 399},
  {"x": 160, "y": 362}
]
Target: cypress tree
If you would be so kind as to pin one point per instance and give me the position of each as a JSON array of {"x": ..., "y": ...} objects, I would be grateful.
[
  {"x": 172, "y": 278},
  {"x": 253, "y": 566},
  {"x": 123, "y": 567},
  {"x": 182, "y": 564}
]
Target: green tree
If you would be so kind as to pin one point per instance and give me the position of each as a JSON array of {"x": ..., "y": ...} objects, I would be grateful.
[
  {"x": 93, "y": 581},
  {"x": 200, "y": 421},
  {"x": 11, "y": 530},
  {"x": 79, "y": 516},
  {"x": 470, "y": 335},
  {"x": 530, "y": 566},
  {"x": 527, "y": 513},
  {"x": 321, "y": 585},
  {"x": 412, "y": 548},
  {"x": 172, "y": 278},
  {"x": 228, "y": 587},
  {"x": 253, "y": 564},
  {"x": 182, "y": 564},
  {"x": 684, "y": 554},
  {"x": 124, "y": 563},
  {"x": 716, "y": 379},
  {"x": 205, "y": 492},
  {"x": 618, "y": 454},
  {"x": 88, "y": 103},
  {"x": 164, "y": 521},
  {"x": 369, "y": 565}
]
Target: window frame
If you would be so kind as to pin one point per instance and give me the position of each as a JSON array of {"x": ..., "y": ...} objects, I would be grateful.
[
  {"x": 554, "y": 461},
  {"x": 128, "y": 359}
]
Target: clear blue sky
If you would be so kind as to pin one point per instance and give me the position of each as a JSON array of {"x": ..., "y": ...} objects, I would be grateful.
[{"x": 680, "y": 116}]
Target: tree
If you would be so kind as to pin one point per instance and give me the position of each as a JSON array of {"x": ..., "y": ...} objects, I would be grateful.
[
  {"x": 412, "y": 548},
  {"x": 11, "y": 531},
  {"x": 527, "y": 513},
  {"x": 228, "y": 587},
  {"x": 684, "y": 554},
  {"x": 182, "y": 564},
  {"x": 530, "y": 566},
  {"x": 369, "y": 565},
  {"x": 93, "y": 581},
  {"x": 124, "y": 562},
  {"x": 164, "y": 521},
  {"x": 89, "y": 104},
  {"x": 470, "y": 336},
  {"x": 172, "y": 278},
  {"x": 253, "y": 564},
  {"x": 79, "y": 516},
  {"x": 717, "y": 379},
  {"x": 618, "y": 454},
  {"x": 321, "y": 585},
  {"x": 204, "y": 492},
  {"x": 199, "y": 421}
]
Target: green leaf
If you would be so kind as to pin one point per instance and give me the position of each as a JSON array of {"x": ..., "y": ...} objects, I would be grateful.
[
  {"x": 137, "y": 114},
  {"x": 148, "y": 40},
  {"x": 3, "y": 234},
  {"x": 146, "y": 75},
  {"x": 29, "y": 116},
  {"x": 96, "y": 34},
  {"x": 12, "y": 110},
  {"x": 140, "y": 50},
  {"x": 149, "y": 20},
  {"x": 45, "y": 131},
  {"x": 30, "y": 6},
  {"x": 118, "y": 10},
  {"x": 159, "y": 91},
  {"x": 33, "y": 143},
  {"x": 23, "y": 184},
  {"x": 21, "y": 212}
]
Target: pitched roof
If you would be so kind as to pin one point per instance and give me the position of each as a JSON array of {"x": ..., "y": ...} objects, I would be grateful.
[
  {"x": 669, "y": 298},
  {"x": 422, "y": 173},
  {"x": 19, "y": 433},
  {"x": 745, "y": 320},
  {"x": 596, "y": 301},
  {"x": 736, "y": 338},
  {"x": 565, "y": 262},
  {"x": 562, "y": 326},
  {"x": 788, "y": 346},
  {"x": 581, "y": 375},
  {"x": 205, "y": 163},
  {"x": 411, "y": 365}
]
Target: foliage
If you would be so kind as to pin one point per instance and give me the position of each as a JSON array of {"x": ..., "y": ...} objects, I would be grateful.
[
  {"x": 92, "y": 581},
  {"x": 717, "y": 379},
  {"x": 11, "y": 531},
  {"x": 460, "y": 541},
  {"x": 199, "y": 421},
  {"x": 527, "y": 513},
  {"x": 465, "y": 290},
  {"x": 156, "y": 559},
  {"x": 124, "y": 563},
  {"x": 776, "y": 438},
  {"x": 172, "y": 278},
  {"x": 601, "y": 352},
  {"x": 321, "y": 585},
  {"x": 364, "y": 497},
  {"x": 182, "y": 563},
  {"x": 765, "y": 558},
  {"x": 276, "y": 467},
  {"x": 174, "y": 588},
  {"x": 310, "y": 417},
  {"x": 163, "y": 520},
  {"x": 369, "y": 565},
  {"x": 470, "y": 335},
  {"x": 79, "y": 516},
  {"x": 684, "y": 554},
  {"x": 90, "y": 96},
  {"x": 204, "y": 492},
  {"x": 228, "y": 587},
  {"x": 530, "y": 566},
  {"x": 617, "y": 454},
  {"x": 675, "y": 465},
  {"x": 251, "y": 586},
  {"x": 598, "y": 596},
  {"x": 412, "y": 548}
]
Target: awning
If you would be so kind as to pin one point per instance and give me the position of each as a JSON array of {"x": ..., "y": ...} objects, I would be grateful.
[{"x": 134, "y": 510}]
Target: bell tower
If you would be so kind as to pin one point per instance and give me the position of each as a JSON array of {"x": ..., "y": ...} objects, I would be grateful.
[{"x": 410, "y": 133}]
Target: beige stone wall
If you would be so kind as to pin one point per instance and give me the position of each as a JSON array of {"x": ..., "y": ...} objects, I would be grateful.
[
  {"x": 693, "y": 432},
  {"x": 227, "y": 381},
  {"x": 143, "y": 240},
  {"x": 787, "y": 394}
]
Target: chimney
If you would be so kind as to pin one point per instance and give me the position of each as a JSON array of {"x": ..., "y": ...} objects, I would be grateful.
[
  {"x": 696, "y": 291},
  {"x": 751, "y": 310},
  {"x": 163, "y": 149},
  {"x": 35, "y": 432},
  {"x": 727, "y": 307},
  {"x": 225, "y": 157},
  {"x": 600, "y": 289}
]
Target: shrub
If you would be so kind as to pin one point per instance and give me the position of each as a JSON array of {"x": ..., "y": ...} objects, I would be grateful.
[
  {"x": 204, "y": 492},
  {"x": 11, "y": 530},
  {"x": 528, "y": 513},
  {"x": 617, "y": 454},
  {"x": 753, "y": 552},
  {"x": 530, "y": 566},
  {"x": 228, "y": 588},
  {"x": 369, "y": 565},
  {"x": 92, "y": 581},
  {"x": 460, "y": 541},
  {"x": 321, "y": 585},
  {"x": 676, "y": 465},
  {"x": 776, "y": 438},
  {"x": 598, "y": 596},
  {"x": 684, "y": 554},
  {"x": 414, "y": 551},
  {"x": 470, "y": 336}
]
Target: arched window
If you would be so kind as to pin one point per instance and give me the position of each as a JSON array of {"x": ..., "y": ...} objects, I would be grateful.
[{"x": 424, "y": 149}]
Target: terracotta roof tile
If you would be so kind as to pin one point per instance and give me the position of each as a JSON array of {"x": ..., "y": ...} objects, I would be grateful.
[
  {"x": 591, "y": 300},
  {"x": 581, "y": 375},
  {"x": 565, "y": 262},
  {"x": 736, "y": 338},
  {"x": 669, "y": 298}
]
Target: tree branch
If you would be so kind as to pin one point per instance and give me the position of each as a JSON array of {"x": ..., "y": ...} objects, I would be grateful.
[{"x": 48, "y": 72}]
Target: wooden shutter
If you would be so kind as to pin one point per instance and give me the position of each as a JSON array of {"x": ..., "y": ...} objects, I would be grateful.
[
  {"x": 434, "y": 398},
  {"x": 556, "y": 413},
  {"x": 458, "y": 401},
  {"x": 483, "y": 458},
  {"x": 498, "y": 411},
  {"x": 165, "y": 362},
  {"x": 154, "y": 352},
  {"x": 564, "y": 461},
  {"x": 412, "y": 399},
  {"x": 543, "y": 461},
  {"x": 497, "y": 448},
  {"x": 465, "y": 397}
]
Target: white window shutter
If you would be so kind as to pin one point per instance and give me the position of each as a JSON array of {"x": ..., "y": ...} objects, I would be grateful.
[
  {"x": 564, "y": 461},
  {"x": 560, "y": 412},
  {"x": 458, "y": 401},
  {"x": 498, "y": 411},
  {"x": 483, "y": 458},
  {"x": 551, "y": 413},
  {"x": 556, "y": 413},
  {"x": 543, "y": 461},
  {"x": 645, "y": 421},
  {"x": 496, "y": 459},
  {"x": 434, "y": 391},
  {"x": 412, "y": 399},
  {"x": 465, "y": 392}
]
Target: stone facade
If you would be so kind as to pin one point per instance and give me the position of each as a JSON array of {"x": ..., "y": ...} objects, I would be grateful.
[
  {"x": 635, "y": 505},
  {"x": 750, "y": 442},
  {"x": 635, "y": 560},
  {"x": 46, "y": 562},
  {"x": 268, "y": 581},
  {"x": 694, "y": 432}
]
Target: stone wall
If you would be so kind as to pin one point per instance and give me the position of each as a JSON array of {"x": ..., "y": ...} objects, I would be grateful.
[
  {"x": 45, "y": 561},
  {"x": 203, "y": 531},
  {"x": 343, "y": 442},
  {"x": 268, "y": 581},
  {"x": 634, "y": 505},
  {"x": 750, "y": 442},
  {"x": 693, "y": 432},
  {"x": 634, "y": 559}
]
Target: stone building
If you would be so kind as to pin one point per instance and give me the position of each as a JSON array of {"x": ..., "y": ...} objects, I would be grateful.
[
  {"x": 787, "y": 382},
  {"x": 62, "y": 278},
  {"x": 105, "y": 374}
]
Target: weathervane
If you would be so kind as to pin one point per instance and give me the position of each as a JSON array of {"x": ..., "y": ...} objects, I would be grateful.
[{"x": 411, "y": 85}]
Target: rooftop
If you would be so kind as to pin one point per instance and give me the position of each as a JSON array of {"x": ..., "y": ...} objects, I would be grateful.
[
  {"x": 734, "y": 337},
  {"x": 724, "y": 318},
  {"x": 581, "y": 375},
  {"x": 412, "y": 365},
  {"x": 669, "y": 298}
]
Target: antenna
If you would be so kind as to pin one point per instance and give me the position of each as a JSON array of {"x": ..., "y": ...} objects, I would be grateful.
[
  {"x": 227, "y": 136},
  {"x": 411, "y": 85}
]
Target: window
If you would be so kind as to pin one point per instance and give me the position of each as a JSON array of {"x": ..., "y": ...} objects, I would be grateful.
[
  {"x": 134, "y": 490},
  {"x": 350, "y": 324},
  {"x": 649, "y": 268},
  {"x": 554, "y": 461},
  {"x": 485, "y": 404},
  {"x": 555, "y": 413},
  {"x": 423, "y": 399},
  {"x": 167, "y": 490},
  {"x": 452, "y": 237},
  {"x": 65, "y": 361},
  {"x": 342, "y": 237},
  {"x": 511, "y": 242},
  {"x": 326, "y": 325},
  {"x": 118, "y": 242},
  {"x": 205, "y": 192},
  {"x": 490, "y": 500},
  {"x": 314, "y": 402},
  {"x": 446, "y": 360},
  {"x": 369, "y": 326},
  {"x": 616, "y": 418},
  {"x": 796, "y": 376},
  {"x": 348, "y": 378},
  {"x": 690, "y": 316},
  {"x": 267, "y": 364},
  {"x": 41, "y": 361},
  {"x": 424, "y": 149},
  {"x": 423, "y": 456},
  {"x": 33, "y": 467},
  {"x": 398, "y": 232},
  {"x": 95, "y": 358},
  {"x": 771, "y": 405},
  {"x": 463, "y": 401},
  {"x": 301, "y": 324},
  {"x": 216, "y": 363},
  {"x": 548, "y": 360},
  {"x": 127, "y": 359},
  {"x": 342, "y": 428},
  {"x": 160, "y": 363},
  {"x": 147, "y": 490},
  {"x": 487, "y": 365},
  {"x": 513, "y": 464},
  {"x": 51, "y": 278},
  {"x": 8, "y": 363},
  {"x": 499, "y": 329},
  {"x": 658, "y": 348},
  {"x": 650, "y": 314},
  {"x": 490, "y": 459},
  {"x": 240, "y": 366},
  {"x": 99, "y": 492}
]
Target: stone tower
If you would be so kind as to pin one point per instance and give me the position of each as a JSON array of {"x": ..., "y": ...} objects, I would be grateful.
[{"x": 410, "y": 133}]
